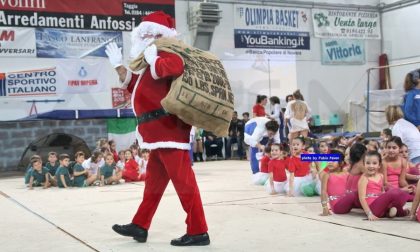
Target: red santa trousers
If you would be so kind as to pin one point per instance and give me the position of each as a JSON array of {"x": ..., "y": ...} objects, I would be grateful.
[{"x": 175, "y": 165}]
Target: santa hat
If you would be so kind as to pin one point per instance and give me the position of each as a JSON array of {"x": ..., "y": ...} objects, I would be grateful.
[{"x": 156, "y": 23}]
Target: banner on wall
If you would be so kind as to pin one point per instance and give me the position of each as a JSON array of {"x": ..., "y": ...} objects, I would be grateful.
[
  {"x": 346, "y": 24},
  {"x": 271, "y": 39},
  {"x": 270, "y": 27},
  {"x": 343, "y": 51},
  {"x": 271, "y": 18},
  {"x": 117, "y": 15},
  {"x": 34, "y": 82},
  {"x": 17, "y": 42},
  {"x": 66, "y": 43},
  {"x": 79, "y": 77}
]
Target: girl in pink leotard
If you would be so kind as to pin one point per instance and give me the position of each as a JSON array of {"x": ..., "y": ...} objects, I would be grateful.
[
  {"x": 395, "y": 168},
  {"x": 393, "y": 165},
  {"x": 413, "y": 170},
  {"x": 333, "y": 184},
  {"x": 375, "y": 202},
  {"x": 350, "y": 200}
]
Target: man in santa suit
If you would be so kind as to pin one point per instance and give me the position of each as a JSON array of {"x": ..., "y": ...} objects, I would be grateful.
[{"x": 164, "y": 134}]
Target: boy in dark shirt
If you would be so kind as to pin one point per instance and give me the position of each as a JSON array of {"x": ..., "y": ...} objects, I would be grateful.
[
  {"x": 39, "y": 176},
  {"x": 52, "y": 163},
  {"x": 79, "y": 173},
  {"x": 62, "y": 174},
  {"x": 107, "y": 171}
]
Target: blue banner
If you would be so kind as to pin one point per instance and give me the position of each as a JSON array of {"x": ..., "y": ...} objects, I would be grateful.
[
  {"x": 63, "y": 43},
  {"x": 343, "y": 51},
  {"x": 272, "y": 39}
]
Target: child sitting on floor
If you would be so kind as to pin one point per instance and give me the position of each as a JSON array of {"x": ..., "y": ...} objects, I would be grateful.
[
  {"x": 333, "y": 184},
  {"x": 52, "y": 164},
  {"x": 107, "y": 171},
  {"x": 298, "y": 171},
  {"x": 131, "y": 168},
  {"x": 79, "y": 173},
  {"x": 39, "y": 175},
  {"x": 375, "y": 202},
  {"x": 277, "y": 171},
  {"x": 62, "y": 174}
]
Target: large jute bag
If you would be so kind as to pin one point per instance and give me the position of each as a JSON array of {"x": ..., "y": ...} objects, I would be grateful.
[{"x": 202, "y": 95}]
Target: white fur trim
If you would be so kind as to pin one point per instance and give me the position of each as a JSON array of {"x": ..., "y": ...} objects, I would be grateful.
[
  {"x": 134, "y": 93},
  {"x": 147, "y": 27},
  {"x": 127, "y": 80},
  {"x": 153, "y": 68},
  {"x": 164, "y": 145},
  {"x": 161, "y": 145},
  {"x": 138, "y": 136}
]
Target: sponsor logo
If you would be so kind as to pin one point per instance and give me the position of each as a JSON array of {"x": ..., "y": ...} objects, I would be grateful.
[
  {"x": 29, "y": 82},
  {"x": 321, "y": 19}
]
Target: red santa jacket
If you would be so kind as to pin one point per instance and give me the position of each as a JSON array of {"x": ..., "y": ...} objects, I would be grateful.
[{"x": 147, "y": 91}]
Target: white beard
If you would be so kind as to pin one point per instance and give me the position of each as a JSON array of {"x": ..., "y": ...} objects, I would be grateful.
[{"x": 139, "y": 46}]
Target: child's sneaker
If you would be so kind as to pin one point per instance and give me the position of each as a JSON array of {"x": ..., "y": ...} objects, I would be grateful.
[{"x": 97, "y": 183}]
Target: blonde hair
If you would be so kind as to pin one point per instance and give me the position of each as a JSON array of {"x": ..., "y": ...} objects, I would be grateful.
[{"x": 393, "y": 113}]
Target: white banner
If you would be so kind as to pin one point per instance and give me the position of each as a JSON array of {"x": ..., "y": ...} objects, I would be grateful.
[
  {"x": 252, "y": 17},
  {"x": 346, "y": 24},
  {"x": 29, "y": 83},
  {"x": 17, "y": 42},
  {"x": 81, "y": 76}
]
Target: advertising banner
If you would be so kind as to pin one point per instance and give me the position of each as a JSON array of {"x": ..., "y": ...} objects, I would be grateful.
[
  {"x": 79, "y": 76},
  {"x": 343, "y": 51},
  {"x": 66, "y": 43},
  {"x": 271, "y": 27},
  {"x": 17, "y": 42},
  {"x": 271, "y": 18},
  {"x": 34, "y": 82},
  {"x": 272, "y": 39},
  {"x": 346, "y": 24},
  {"x": 117, "y": 15}
]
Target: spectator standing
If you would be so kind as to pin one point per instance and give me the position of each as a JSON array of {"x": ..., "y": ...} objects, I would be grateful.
[
  {"x": 235, "y": 127},
  {"x": 259, "y": 108},
  {"x": 277, "y": 115}
]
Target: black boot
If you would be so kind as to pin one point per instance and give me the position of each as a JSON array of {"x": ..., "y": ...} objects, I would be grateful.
[
  {"x": 139, "y": 234},
  {"x": 195, "y": 157},
  {"x": 192, "y": 240},
  {"x": 200, "y": 156}
]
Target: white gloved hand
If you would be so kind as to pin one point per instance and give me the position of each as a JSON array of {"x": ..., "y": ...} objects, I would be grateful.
[
  {"x": 150, "y": 54},
  {"x": 114, "y": 54}
]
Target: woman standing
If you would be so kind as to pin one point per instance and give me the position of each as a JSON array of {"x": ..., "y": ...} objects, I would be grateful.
[
  {"x": 258, "y": 110},
  {"x": 411, "y": 106},
  {"x": 297, "y": 113},
  {"x": 277, "y": 114}
]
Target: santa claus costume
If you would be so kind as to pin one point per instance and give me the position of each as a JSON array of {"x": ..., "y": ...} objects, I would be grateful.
[{"x": 164, "y": 134}]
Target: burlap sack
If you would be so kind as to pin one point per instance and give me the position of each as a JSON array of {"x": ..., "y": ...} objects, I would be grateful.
[
  {"x": 299, "y": 109},
  {"x": 201, "y": 96}
]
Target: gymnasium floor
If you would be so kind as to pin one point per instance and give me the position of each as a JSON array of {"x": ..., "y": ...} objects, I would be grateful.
[{"x": 241, "y": 217}]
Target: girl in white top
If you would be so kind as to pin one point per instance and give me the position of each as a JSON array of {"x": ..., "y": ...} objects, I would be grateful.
[
  {"x": 92, "y": 166},
  {"x": 408, "y": 133},
  {"x": 298, "y": 114}
]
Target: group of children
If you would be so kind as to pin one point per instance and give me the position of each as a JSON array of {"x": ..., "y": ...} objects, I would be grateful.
[
  {"x": 377, "y": 178},
  {"x": 104, "y": 167}
]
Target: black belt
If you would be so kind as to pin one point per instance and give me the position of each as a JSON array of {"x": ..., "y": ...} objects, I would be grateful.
[{"x": 150, "y": 116}]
